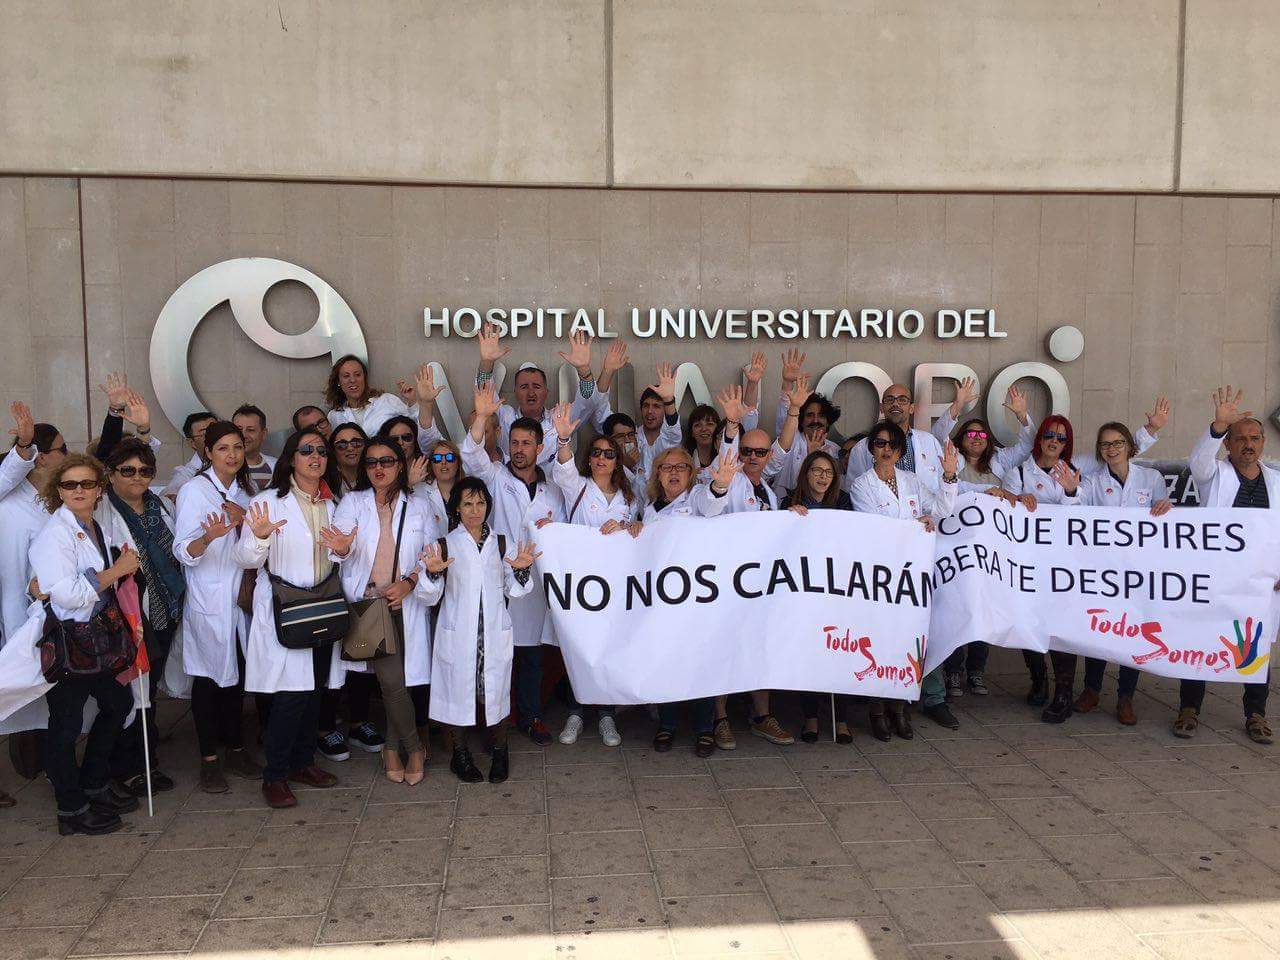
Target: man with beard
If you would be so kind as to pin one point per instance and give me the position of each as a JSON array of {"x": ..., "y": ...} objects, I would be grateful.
[{"x": 1240, "y": 481}]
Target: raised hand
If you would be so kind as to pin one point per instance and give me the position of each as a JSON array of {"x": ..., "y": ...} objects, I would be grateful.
[
  {"x": 792, "y": 365},
  {"x": 1158, "y": 415},
  {"x": 117, "y": 390},
  {"x": 215, "y": 526},
  {"x": 524, "y": 557},
  {"x": 259, "y": 520},
  {"x": 337, "y": 541},
  {"x": 137, "y": 412},
  {"x": 799, "y": 393},
  {"x": 24, "y": 426},
  {"x": 425, "y": 383},
  {"x": 486, "y": 400},
  {"x": 408, "y": 392},
  {"x": 417, "y": 471},
  {"x": 578, "y": 355},
  {"x": 951, "y": 460},
  {"x": 726, "y": 469},
  {"x": 731, "y": 402},
  {"x": 1226, "y": 407},
  {"x": 615, "y": 358},
  {"x": 1067, "y": 478},
  {"x": 666, "y": 385},
  {"x": 755, "y": 370},
  {"x": 432, "y": 561},
  {"x": 1015, "y": 402},
  {"x": 491, "y": 348},
  {"x": 563, "y": 423},
  {"x": 966, "y": 392}
]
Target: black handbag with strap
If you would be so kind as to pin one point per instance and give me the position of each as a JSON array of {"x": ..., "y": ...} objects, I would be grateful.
[{"x": 309, "y": 617}]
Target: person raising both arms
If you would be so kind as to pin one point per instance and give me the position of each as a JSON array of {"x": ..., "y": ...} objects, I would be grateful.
[
  {"x": 816, "y": 419},
  {"x": 352, "y": 400},
  {"x": 923, "y": 454}
]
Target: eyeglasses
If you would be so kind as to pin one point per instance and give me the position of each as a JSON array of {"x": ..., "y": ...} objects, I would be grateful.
[
  {"x": 626, "y": 436},
  {"x": 401, "y": 437},
  {"x": 754, "y": 451},
  {"x": 822, "y": 472},
  {"x": 881, "y": 442},
  {"x": 70, "y": 485},
  {"x": 896, "y": 400},
  {"x": 347, "y": 444},
  {"x": 1112, "y": 444},
  {"x": 307, "y": 449},
  {"x": 371, "y": 462},
  {"x": 675, "y": 468},
  {"x": 130, "y": 472},
  {"x": 606, "y": 452},
  {"x": 1050, "y": 435},
  {"x": 62, "y": 449},
  {"x": 975, "y": 434},
  {"x": 443, "y": 458}
]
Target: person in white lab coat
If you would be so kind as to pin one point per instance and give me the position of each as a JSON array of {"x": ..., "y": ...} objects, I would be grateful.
[
  {"x": 288, "y": 533},
  {"x": 132, "y": 515},
  {"x": 890, "y": 491},
  {"x": 352, "y": 400},
  {"x": 674, "y": 494},
  {"x": 597, "y": 494},
  {"x": 444, "y": 468},
  {"x": 472, "y": 579},
  {"x": 659, "y": 426},
  {"x": 923, "y": 455},
  {"x": 522, "y": 495},
  {"x": 1119, "y": 484},
  {"x": 1240, "y": 481},
  {"x": 72, "y": 561},
  {"x": 368, "y": 526},
  {"x": 193, "y": 428},
  {"x": 211, "y": 508},
  {"x": 346, "y": 454},
  {"x": 531, "y": 388}
]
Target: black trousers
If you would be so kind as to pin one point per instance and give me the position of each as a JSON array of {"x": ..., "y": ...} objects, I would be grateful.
[
  {"x": 128, "y": 758},
  {"x": 359, "y": 689},
  {"x": 811, "y": 704},
  {"x": 1253, "y": 696},
  {"x": 294, "y": 723},
  {"x": 75, "y": 783}
]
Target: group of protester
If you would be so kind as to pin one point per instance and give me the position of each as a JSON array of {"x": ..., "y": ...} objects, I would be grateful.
[{"x": 370, "y": 506}]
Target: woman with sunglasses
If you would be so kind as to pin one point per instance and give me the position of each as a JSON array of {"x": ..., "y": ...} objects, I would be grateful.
[
  {"x": 72, "y": 560},
  {"x": 132, "y": 515},
  {"x": 444, "y": 469},
  {"x": 368, "y": 527},
  {"x": 404, "y": 432},
  {"x": 346, "y": 453},
  {"x": 598, "y": 495},
  {"x": 211, "y": 507},
  {"x": 288, "y": 533},
  {"x": 1119, "y": 484},
  {"x": 891, "y": 492}
]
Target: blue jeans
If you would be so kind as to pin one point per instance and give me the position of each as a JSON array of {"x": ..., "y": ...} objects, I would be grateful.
[
  {"x": 703, "y": 713},
  {"x": 1094, "y": 669},
  {"x": 933, "y": 688},
  {"x": 576, "y": 708},
  {"x": 528, "y": 682}
]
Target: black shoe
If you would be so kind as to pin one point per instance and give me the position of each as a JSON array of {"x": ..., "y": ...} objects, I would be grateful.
[
  {"x": 901, "y": 721},
  {"x": 212, "y": 779},
  {"x": 1038, "y": 695},
  {"x": 704, "y": 745},
  {"x": 1059, "y": 710},
  {"x": 92, "y": 822},
  {"x": 464, "y": 767},
  {"x": 366, "y": 737},
  {"x": 501, "y": 765},
  {"x": 941, "y": 714},
  {"x": 333, "y": 746},
  {"x": 136, "y": 786},
  {"x": 662, "y": 741},
  {"x": 880, "y": 727},
  {"x": 809, "y": 736},
  {"x": 111, "y": 803}
]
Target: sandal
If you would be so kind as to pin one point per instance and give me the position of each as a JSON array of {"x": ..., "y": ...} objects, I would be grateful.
[
  {"x": 1186, "y": 724},
  {"x": 662, "y": 741},
  {"x": 704, "y": 745},
  {"x": 1258, "y": 729}
]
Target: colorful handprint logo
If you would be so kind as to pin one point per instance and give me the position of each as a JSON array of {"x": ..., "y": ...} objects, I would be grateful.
[
  {"x": 917, "y": 662},
  {"x": 1244, "y": 652}
]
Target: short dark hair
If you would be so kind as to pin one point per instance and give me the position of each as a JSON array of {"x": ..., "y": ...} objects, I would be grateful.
[
  {"x": 617, "y": 419},
  {"x": 249, "y": 410},
  {"x": 830, "y": 412},
  {"x": 538, "y": 370},
  {"x": 189, "y": 424},
  {"x": 126, "y": 450},
  {"x": 467, "y": 485},
  {"x": 896, "y": 436},
  {"x": 303, "y": 409},
  {"x": 651, "y": 394},
  {"x": 526, "y": 423}
]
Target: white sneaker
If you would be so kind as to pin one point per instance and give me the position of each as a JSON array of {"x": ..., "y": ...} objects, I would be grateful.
[
  {"x": 609, "y": 732},
  {"x": 572, "y": 729}
]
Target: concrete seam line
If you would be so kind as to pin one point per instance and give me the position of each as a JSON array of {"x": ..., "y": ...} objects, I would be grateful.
[
  {"x": 84, "y": 311},
  {"x": 1180, "y": 93},
  {"x": 608, "y": 93}
]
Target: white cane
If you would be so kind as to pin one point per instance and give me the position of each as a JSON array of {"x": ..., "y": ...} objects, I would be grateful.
[{"x": 146, "y": 744}]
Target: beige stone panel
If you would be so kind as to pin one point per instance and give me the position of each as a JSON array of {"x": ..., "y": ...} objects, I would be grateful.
[
  {"x": 371, "y": 287},
  {"x": 1064, "y": 219},
  {"x": 970, "y": 219},
  {"x": 98, "y": 231},
  {"x": 1249, "y": 220},
  {"x": 522, "y": 265},
  {"x": 1016, "y": 316},
  {"x": 396, "y": 90},
  {"x": 312, "y": 209},
  {"x": 678, "y": 267},
  {"x": 13, "y": 234},
  {"x": 1250, "y": 292},
  {"x": 574, "y": 214},
  {"x": 921, "y": 216},
  {"x": 364, "y": 210},
  {"x": 107, "y": 344},
  {"x": 53, "y": 271},
  {"x": 52, "y": 202},
  {"x": 1063, "y": 279},
  {"x": 144, "y": 205},
  {"x": 16, "y": 367},
  {"x": 256, "y": 207},
  {"x": 58, "y": 396},
  {"x": 873, "y": 217},
  {"x": 522, "y": 214},
  {"x": 204, "y": 206},
  {"x": 824, "y": 215},
  {"x": 774, "y": 217},
  {"x": 1015, "y": 262},
  {"x": 773, "y": 270},
  {"x": 625, "y": 214},
  {"x": 1158, "y": 220},
  {"x": 471, "y": 214},
  {"x": 1204, "y": 268},
  {"x": 1095, "y": 408},
  {"x": 1244, "y": 364},
  {"x": 821, "y": 267},
  {"x": 675, "y": 215},
  {"x": 1155, "y": 292},
  {"x": 1199, "y": 359},
  {"x": 1107, "y": 331},
  {"x": 862, "y": 94},
  {"x": 1204, "y": 220},
  {"x": 966, "y": 275},
  {"x": 1111, "y": 229},
  {"x": 1230, "y": 136}
]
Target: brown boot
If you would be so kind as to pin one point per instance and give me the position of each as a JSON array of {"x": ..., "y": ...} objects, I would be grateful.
[
  {"x": 1086, "y": 701},
  {"x": 1124, "y": 711}
]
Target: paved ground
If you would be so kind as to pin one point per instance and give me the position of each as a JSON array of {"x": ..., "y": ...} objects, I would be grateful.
[{"x": 1009, "y": 838}]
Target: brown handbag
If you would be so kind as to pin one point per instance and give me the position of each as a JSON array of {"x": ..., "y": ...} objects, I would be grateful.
[{"x": 374, "y": 631}]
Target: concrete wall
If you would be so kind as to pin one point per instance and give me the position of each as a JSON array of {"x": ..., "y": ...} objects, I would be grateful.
[
  {"x": 1173, "y": 294},
  {"x": 1055, "y": 95}
]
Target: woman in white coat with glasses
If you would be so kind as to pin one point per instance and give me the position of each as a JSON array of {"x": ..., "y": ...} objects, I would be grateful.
[{"x": 472, "y": 573}]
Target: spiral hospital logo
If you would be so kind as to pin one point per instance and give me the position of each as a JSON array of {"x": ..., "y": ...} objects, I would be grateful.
[{"x": 1244, "y": 652}]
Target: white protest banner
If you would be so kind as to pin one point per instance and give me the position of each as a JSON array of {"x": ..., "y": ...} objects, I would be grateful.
[
  {"x": 833, "y": 601},
  {"x": 1188, "y": 595}
]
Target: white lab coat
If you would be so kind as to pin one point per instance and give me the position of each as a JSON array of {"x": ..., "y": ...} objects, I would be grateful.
[
  {"x": 270, "y": 667},
  {"x": 593, "y": 508},
  {"x": 697, "y": 501},
  {"x": 742, "y": 498},
  {"x": 182, "y": 475},
  {"x": 1217, "y": 481},
  {"x": 212, "y": 623},
  {"x": 1143, "y": 487},
  {"x": 420, "y": 528},
  {"x": 22, "y": 516},
  {"x": 581, "y": 408},
  {"x": 513, "y": 513},
  {"x": 928, "y": 460},
  {"x": 669, "y": 434},
  {"x": 784, "y": 465},
  {"x": 14, "y": 470},
  {"x": 1003, "y": 459},
  {"x": 428, "y": 495},
  {"x": 374, "y": 413},
  {"x": 478, "y": 577},
  {"x": 1027, "y": 477},
  {"x": 66, "y": 561},
  {"x": 914, "y": 499}
]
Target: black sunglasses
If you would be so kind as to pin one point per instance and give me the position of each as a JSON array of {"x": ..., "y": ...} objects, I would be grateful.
[
  {"x": 70, "y": 485},
  {"x": 345, "y": 444},
  {"x": 881, "y": 442},
  {"x": 62, "y": 449},
  {"x": 371, "y": 462},
  {"x": 754, "y": 451},
  {"x": 130, "y": 472},
  {"x": 443, "y": 458},
  {"x": 307, "y": 449},
  {"x": 606, "y": 452},
  {"x": 1050, "y": 435},
  {"x": 401, "y": 437}
]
